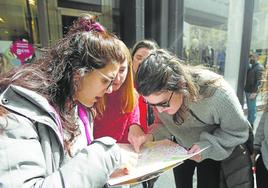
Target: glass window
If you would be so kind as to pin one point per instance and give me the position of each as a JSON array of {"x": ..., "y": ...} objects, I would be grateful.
[
  {"x": 18, "y": 31},
  {"x": 107, "y": 11},
  {"x": 18, "y": 19},
  {"x": 259, "y": 41},
  {"x": 205, "y": 33}
]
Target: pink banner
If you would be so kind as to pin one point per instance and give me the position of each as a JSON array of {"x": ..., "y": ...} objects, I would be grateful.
[{"x": 22, "y": 50}]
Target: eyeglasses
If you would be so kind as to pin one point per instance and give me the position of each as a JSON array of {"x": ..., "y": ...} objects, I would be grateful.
[
  {"x": 111, "y": 81},
  {"x": 164, "y": 104}
]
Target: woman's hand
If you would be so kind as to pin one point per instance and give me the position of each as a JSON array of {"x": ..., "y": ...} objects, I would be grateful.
[
  {"x": 136, "y": 137},
  {"x": 129, "y": 160},
  {"x": 119, "y": 172},
  {"x": 195, "y": 148}
]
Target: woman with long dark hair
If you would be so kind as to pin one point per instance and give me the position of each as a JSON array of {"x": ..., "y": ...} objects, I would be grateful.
[
  {"x": 47, "y": 110},
  {"x": 201, "y": 110}
]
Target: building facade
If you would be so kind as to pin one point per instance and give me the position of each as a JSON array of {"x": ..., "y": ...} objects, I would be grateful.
[{"x": 219, "y": 34}]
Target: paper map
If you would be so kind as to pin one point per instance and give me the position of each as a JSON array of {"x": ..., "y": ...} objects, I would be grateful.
[{"x": 154, "y": 159}]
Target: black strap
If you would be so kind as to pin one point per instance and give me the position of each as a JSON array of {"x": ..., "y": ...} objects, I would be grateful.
[{"x": 150, "y": 115}]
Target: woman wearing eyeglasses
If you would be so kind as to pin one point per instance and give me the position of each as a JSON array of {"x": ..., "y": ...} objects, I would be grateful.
[
  {"x": 199, "y": 109},
  {"x": 121, "y": 116},
  {"x": 47, "y": 110}
]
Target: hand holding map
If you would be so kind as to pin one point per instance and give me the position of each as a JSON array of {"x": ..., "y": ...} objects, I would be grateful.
[
  {"x": 129, "y": 161},
  {"x": 154, "y": 159}
]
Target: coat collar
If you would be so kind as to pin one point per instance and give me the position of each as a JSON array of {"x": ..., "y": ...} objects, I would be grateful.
[{"x": 31, "y": 105}]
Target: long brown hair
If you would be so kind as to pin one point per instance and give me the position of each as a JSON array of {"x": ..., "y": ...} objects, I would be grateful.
[
  {"x": 87, "y": 45},
  {"x": 163, "y": 71}
]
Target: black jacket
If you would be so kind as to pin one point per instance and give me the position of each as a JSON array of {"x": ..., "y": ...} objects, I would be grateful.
[{"x": 253, "y": 80}]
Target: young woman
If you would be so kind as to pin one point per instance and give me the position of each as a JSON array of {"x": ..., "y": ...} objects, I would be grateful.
[
  {"x": 139, "y": 52},
  {"x": 46, "y": 111},
  {"x": 261, "y": 144},
  {"x": 121, "y": 118},
  {"x": 200, "y": 110}
]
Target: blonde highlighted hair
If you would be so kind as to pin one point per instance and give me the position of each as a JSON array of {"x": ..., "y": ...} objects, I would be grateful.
[
  {"x": 129, "y": 95},
  {"x": 127, "y": 90}
]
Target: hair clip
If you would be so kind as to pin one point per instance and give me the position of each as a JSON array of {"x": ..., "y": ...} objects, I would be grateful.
[{"x": 91, "y": 25}]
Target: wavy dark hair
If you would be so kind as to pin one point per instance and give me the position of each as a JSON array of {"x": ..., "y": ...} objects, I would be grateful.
[
  {"x": 162, "y": 71},
  {"x": 86, "y": 45}
]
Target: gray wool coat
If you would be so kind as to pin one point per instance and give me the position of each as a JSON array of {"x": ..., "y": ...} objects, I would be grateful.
[{"x": 32, "y": 152}]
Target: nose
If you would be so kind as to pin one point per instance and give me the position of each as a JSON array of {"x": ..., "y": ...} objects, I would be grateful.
[{"x": 117, "y": 79}]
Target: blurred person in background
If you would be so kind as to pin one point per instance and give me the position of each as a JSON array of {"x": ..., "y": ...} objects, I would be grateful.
[
  {"x": 252, "y": 86},
  {"x": 4, "y": 64}
]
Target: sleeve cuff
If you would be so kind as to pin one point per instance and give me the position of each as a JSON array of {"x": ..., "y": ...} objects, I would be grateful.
[
  {"x": 202, "y": 145},
  {"x": 107, "y": 141}
]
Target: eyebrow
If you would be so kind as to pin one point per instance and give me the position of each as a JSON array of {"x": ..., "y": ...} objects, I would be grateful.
[{"x": 157, "y": 104}]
